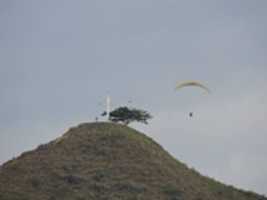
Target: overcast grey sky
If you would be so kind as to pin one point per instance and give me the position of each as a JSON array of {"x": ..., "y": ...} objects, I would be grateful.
[{"x": 60, "y": 58}]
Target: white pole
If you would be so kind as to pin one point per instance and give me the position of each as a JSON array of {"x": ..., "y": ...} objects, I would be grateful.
[{"x": 108, "y": 107}]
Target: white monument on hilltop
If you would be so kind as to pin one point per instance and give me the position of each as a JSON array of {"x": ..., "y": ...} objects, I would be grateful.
[{"x": 108, "y": 101}]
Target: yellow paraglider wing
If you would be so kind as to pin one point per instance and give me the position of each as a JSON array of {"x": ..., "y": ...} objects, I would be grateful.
[{"x": 192, "y": 83}]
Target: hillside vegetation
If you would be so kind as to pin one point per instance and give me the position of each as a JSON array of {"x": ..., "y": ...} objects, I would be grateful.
[{"x": 107, "y": 161}]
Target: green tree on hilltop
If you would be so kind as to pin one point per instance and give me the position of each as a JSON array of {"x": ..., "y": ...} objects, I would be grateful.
[{"x": 127, "y": 115}]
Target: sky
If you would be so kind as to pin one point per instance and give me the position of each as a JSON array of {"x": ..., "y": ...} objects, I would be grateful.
[{"x": 59, "y": 59}]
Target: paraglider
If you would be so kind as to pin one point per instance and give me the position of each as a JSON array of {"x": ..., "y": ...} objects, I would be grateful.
[{"x": 183, "y": 84}]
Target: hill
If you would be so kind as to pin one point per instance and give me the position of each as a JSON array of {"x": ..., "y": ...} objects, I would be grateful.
[{"x": 106, "y": 161}]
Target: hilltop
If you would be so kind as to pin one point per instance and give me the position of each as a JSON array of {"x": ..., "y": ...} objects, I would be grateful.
[{"x": 107, "y": 161}]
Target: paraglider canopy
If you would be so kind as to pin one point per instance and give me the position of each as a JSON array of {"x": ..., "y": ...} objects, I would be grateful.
[{"x": 192, "y": 83}]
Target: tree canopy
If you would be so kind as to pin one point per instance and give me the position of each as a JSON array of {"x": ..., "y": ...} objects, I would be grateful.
[{"x": 127, "y": 115}]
